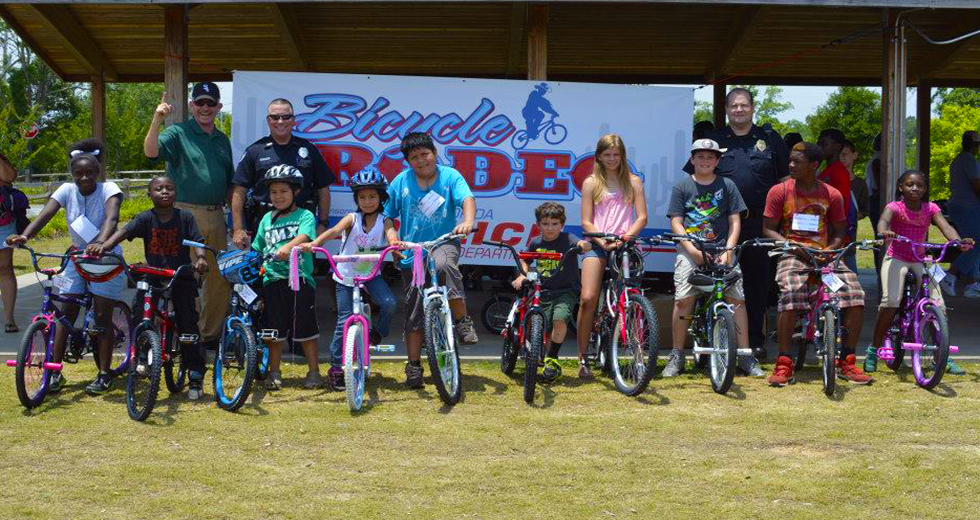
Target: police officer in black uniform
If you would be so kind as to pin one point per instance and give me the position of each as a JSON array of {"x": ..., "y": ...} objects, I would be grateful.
[
  {"x": 756, "y": 160},
  {"x": 250, "y": 198}
]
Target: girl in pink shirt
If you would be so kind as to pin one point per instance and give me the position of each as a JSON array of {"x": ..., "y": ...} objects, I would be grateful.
[
  {"x": 910, "y": 216},
  {"x": 612, "y": 202}
]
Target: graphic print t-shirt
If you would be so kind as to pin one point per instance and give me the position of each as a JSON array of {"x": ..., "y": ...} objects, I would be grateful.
[
  {"x": 825, "y": 202},
  {"x": 551, "y": 278},
  {"x": 273, "y": 235},
  {"x": 706, "y": 207},
  {"x": 163, "y": 241}
]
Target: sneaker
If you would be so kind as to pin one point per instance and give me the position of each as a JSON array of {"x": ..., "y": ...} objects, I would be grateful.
[
  {"x": 954, "y": 369},
  {"x": 675, "y": 364},
  {"x": 584, "y": 372},
  {"x": 195, "y": 386},
  {"x": 313, "y": 379},
  {"x": 972, "y": 290},
  {"x": 335, "y": 376},
  {"x": 101, "y": 384},
  {"x": 56, "y": 383},
  {"x": 465, "y": 331},
  {"x": 848, "y": 371},
  {"x": 551, "y": 372},
  {"x": 750, "y": 365},
  {"x": 871, "y": 360},
  {"x": 274, "y": 381},
  {"x": 782, "y": 373},
  {"x": 948, "y": 284},
  {"x": 413, "y": 376}
]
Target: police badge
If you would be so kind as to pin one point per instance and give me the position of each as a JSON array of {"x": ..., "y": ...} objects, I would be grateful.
[
  {"x": 760, "y": 145},
  {"x": 303, "y": 153}
]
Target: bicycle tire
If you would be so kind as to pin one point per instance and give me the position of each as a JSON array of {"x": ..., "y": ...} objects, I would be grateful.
[
  {"x": 828, "y": 359},
  {"x": 932, "y": 319},
  {"x": 261, "y": 360},
  {"x": 234, "y": 360},
  {"x": 519, "y": 140},
  {"x": 895, "y": 340},
  {"x": 800, "y": 347},
  {"x": 174, "y": 370},
  {"x": 723, "y": 339},
  {"x": 30, "y": 377},
  {"x": 533, "y": 346},
  {"x": 495, "y": 312},
  {"x": 142, "y": 389},
  {"x": 508, "y": 353},
  {"x": 122, "y": 334},
  {"x": 354, "y": 370},
  {"x": 555, "y": 134},
  {"x": 633, "y": 363},
  {"x": 441, "y": 353},
  {"x": 600, "y": 342}
]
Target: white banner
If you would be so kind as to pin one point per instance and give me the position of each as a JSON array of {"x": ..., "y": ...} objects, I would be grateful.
[{"x": 518, "y": 143}]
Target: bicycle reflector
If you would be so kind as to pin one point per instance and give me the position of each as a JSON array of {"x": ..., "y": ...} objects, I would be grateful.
[
  {"x": 98, "y": 269},
  {"x": 240, "y": 265}
]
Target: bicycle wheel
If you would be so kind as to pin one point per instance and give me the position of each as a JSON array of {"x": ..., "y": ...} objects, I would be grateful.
[
  {"x": 508, "y": 354},
  {"x": 555, "y": 134},
  {"x": 828, "y": 352},
  {"x": 533, "y": 346},
  {"x": 441, "y": 353},
  {"x": 261, "y": 360},
  {"x": 929, "y": 363},
  {"x": 30, "y": 376},
  {"x": 494, "y": 313},
  {"x": 725, "y": 351},
  {"x": 894, "y": 340},
  {"x": 633, "y": 352},
  {"x": 354, "y": 370},
  {"x": 519, "y": 140},
  {"x": 599, "y": 343},
  {"x": 143, "y": 382},
  {"x": 122, "y": 329},
  {"x": 174, "y": 371},
  {"x": 234, "y": 366}
]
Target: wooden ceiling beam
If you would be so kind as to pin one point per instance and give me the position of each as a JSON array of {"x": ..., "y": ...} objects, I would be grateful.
[
  {"x": 75, "y": 39},
  {"x": 518, "y": 22},
  {"x": 287, "y": 23},
  {"x": 26, "y": 37},
  {"x": 942, "y": 56},
  {"x": 738, "y": 34}
]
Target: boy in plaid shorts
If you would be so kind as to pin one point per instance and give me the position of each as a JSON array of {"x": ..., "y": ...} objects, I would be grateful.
[{"x": 809, "y": 212}]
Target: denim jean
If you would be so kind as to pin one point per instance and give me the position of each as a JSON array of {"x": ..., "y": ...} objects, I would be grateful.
[
  {"x": 967, "y": 222},
  {"x": 380, "y": 294}
]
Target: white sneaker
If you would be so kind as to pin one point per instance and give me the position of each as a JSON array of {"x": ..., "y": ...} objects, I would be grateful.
[
  {"x": 948, "y": 284},
  {"x": 972, "y": 290}
]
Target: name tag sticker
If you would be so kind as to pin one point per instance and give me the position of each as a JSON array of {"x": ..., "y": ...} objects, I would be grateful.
[
  {"x": 937, "y": 273},
  {"x": 62, "y": 283},
  {"x": 832, "y": 281},
  {"x": 804, "y": 222},
  {"x": 245, "y": 292},
  {"x": 430, "y": 203},
  {"x": 85, "y": 228}
]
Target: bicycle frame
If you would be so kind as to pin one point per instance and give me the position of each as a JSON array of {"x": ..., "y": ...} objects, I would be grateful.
[{"x": 151, "y": 311}]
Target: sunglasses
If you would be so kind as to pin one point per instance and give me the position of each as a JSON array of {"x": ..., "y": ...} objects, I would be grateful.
[
  {"x": 283, "y": 117},
  {"x": 206, "y": 103}
]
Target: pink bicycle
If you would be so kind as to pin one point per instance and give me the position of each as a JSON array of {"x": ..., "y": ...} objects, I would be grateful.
[
  {"x": 920, "y": 324},
  {"x": 357, "y": 346}
]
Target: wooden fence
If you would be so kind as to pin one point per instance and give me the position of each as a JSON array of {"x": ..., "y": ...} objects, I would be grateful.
[{"x": 136, "y": 180}]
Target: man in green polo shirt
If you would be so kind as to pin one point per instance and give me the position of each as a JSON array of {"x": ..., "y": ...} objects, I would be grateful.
[{"x": 198, "y": 159}]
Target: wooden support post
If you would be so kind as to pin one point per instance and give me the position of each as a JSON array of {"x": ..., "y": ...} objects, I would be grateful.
[
  {"x": 923, "y": 117},
  {"x": 175, "y": 60},
  {"x": 718, "y": 104},
  {"x": 537, "y": 42},
  {"x": 892, "y": 106},
  {"x": 97, "y": 97}
]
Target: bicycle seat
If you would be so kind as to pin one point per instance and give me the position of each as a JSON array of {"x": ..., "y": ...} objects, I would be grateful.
[
  {"x": 705, "y": 280},
  {"x": 98, "y": 269}
]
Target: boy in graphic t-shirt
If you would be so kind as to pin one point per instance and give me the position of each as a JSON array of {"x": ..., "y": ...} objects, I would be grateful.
[
  {"x": 163, "y": 230},
  {"x": 810, "y": 212}
]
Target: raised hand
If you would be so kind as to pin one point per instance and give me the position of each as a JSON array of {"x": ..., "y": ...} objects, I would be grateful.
[{"x": 163, "y": 109}]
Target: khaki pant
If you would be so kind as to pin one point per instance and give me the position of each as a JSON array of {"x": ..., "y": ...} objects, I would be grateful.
[
  {"x": 893, "y": 273},
  {"x": 216, "y": 291}
]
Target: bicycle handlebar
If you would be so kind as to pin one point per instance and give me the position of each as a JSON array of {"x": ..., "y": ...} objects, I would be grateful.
[
  {"x": 338, "y": 259},
  {"x": 48, "y": 271},
  {"x": 705, "y": 246},
  {"x": 781, "y": 246},
  {"x": 926, "y": 245},
  {"x": 517, "y": 256}
]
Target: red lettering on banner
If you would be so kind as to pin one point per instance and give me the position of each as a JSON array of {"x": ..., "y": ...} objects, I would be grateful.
[
  {"x": 535, "y": 231},
  {"x": 583, "y": 168},
  {"x": 498, "y": 168},
  {"x": 358, "y": 158},
  {"x": 500, "y": 229},
  {"x": 481, "y": 231},
  {"x": 390, "y": 167},
  {"x": 536, "y": 172}
]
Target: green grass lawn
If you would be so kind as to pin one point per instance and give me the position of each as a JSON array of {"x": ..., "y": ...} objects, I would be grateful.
[{"x": 890, "y": 450}]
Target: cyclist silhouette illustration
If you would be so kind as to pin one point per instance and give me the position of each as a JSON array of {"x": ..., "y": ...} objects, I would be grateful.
[{"x": 534, "y": 111}]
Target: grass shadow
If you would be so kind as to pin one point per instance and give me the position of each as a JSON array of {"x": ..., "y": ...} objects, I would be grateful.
[
  {"x": 547, "y": 397},
  {"x": 943, "y": 390},
  {"x": 734, "y": 393}
]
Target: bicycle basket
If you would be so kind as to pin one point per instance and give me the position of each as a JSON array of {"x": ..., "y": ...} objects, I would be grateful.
[
  {"x": 98, "y": 269},
  {"x": 240, "y": 265}
]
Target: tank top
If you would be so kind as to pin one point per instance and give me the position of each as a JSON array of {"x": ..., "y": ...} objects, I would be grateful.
[
  {"x": 613, "y": 214},
  {"x": 356, "y": 241}
]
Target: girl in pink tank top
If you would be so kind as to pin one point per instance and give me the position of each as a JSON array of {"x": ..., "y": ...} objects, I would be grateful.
[{"x": 612, "y": 202}]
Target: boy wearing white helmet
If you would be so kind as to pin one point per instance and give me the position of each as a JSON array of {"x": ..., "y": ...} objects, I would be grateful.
[{"x": 279, "y": 231}]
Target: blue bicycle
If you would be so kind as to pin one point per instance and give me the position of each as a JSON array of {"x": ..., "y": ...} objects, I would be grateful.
[{"x": 553, "y": 133}]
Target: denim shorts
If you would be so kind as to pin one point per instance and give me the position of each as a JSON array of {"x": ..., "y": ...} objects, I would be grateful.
[{"x": 111, "y": 289}]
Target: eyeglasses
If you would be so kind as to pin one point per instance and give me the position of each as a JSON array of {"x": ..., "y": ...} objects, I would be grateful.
[
  {"x": 278, "y": 117},
  {"x": 204, "y": 102}
]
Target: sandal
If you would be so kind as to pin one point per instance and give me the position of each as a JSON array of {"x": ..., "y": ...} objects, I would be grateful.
[{"x": 11, "y": 328}]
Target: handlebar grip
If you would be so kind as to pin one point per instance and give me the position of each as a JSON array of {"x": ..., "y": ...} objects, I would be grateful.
[
  {"x": 191, "y": 243},
  {"x": 497, "y": 244},
  {"x": 594, "y": 235}
]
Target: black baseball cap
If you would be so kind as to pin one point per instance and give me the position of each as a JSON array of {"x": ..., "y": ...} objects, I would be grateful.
[{"x": 206, "y": 89}]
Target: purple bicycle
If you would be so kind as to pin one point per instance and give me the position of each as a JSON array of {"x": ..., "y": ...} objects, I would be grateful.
[{"x": 920, "y": 324}]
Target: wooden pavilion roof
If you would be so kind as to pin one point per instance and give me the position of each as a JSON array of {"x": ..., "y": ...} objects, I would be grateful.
[{"x": 774, "y": 42}]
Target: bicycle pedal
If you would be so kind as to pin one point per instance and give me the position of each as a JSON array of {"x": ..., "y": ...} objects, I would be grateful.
[
  {"x": 383, "y": 348},
  {"x": 270, "y": 334},
  {"x": 188, "y": 338},
  {"x": 94, "y": 331}
]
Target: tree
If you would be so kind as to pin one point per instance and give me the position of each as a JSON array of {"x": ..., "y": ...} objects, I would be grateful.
[
  {"x": 768, "y": 106},
  {"x": 703, "y": 112},
  {"x": 964, "y": 97},
  {"x": 856, "y": 111},
  {"x": 947, "y": 132}
]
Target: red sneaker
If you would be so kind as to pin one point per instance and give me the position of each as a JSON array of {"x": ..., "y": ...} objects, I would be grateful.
[
  {"x": 782, "y": 373},
  {"x": 848, "y": 371}
]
